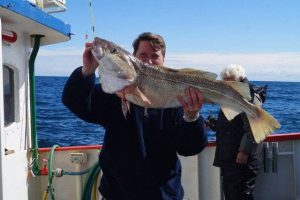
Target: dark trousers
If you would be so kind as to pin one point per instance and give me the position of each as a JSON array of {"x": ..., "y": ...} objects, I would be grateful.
[{"x": 238, "y": 184}]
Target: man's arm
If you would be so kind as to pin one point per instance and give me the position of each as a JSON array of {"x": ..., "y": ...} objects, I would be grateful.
[
  {"x": 191, "y": 137},
  {"x": 247, "y": 142},
  {"x": 85, "y": 99}
]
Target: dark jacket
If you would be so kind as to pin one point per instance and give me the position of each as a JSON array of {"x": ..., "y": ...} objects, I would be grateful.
[
  {"x": 139, "y": 156},
  {"x": 234, "y": 136}
]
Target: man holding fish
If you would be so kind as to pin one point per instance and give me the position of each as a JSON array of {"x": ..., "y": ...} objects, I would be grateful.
[{"x": 139, "y": 156}]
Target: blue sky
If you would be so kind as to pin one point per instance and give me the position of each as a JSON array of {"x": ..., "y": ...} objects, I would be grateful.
[{"x": 261, "y": 35}]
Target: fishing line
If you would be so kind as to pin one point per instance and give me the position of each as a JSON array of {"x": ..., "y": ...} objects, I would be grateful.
[{"x": 92, "y": 18}]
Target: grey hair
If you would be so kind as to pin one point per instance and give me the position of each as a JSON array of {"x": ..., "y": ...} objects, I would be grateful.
[{"x": 235, "y": 71}]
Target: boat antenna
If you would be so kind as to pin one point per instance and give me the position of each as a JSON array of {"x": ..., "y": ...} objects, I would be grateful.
[{"x": 92, "y": 18}]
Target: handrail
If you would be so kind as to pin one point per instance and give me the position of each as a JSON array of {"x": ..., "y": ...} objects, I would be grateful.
[
  {"x": 34, "y": 143},
  {"x": 283, "y": 137},
  {"x": 68, "y": 148},
  {"x": 278, "y": 137},
  {"x": 271, "y": 138}
]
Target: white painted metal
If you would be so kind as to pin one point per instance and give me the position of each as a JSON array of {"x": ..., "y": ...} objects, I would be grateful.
[
  {"x": 297, "y": 168},
  {"x": 16, "y": 183},
  {"x": 200, "y": 179},
  {"x": 65, "y": 187},
  {"x": 51, "y": 35},
  {"x": 16, "y": 57},
  {"x": 209, "y": 176},
  {"x": 1, "y": 116},
  {"x": 52, "y": 6},
  {"x": 13, "y": 136},
  {"x": 283, "y": 184},
  {"x": 190, "y": 173}
]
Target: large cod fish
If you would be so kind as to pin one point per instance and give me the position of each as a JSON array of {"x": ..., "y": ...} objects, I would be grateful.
[{"x": 158, "y": 87}]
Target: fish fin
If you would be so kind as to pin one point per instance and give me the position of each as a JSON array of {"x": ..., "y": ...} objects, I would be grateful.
[
  {"x": 229, "y": 113},
  {"x": 263, "y": 125},
  {"x": 144, "y": 98},
  {"x": 242, "y": 88},
  {"x": 128, "y": 106},
  {"x": 167, "y": 69},
  {"x": 208, "y": 101},
  {"x": 199, "y": 72},
  {"x": 125, "y": 107}
]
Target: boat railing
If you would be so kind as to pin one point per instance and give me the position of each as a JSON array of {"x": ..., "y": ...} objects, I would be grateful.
[{"x": 200, "y": 179}]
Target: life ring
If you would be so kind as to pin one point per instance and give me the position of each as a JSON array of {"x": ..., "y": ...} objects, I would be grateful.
[{"x": 9, "y": 36}]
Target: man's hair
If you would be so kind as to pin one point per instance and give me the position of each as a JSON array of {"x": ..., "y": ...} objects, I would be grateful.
[
  {"x": 157, "y": 42},
  {"x": 235, "y": 71}
]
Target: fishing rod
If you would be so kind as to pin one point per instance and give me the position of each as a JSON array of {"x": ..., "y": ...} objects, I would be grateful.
[{"x": 91, "y": 11}]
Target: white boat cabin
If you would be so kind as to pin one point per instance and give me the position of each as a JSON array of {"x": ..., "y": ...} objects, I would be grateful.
[{"x": 24, "y": 27}]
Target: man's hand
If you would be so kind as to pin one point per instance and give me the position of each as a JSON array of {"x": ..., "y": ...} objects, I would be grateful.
[
  {"x": 241, "y": 158},
  {"x": 89, "y": 63},
  {"x": 192, "y": 102}
]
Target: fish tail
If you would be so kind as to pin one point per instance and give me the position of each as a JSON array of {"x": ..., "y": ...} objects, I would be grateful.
[{"x": 263, "y": 125}]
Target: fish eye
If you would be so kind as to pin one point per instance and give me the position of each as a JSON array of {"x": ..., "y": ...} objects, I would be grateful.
[{"x": 114, "y": 50}]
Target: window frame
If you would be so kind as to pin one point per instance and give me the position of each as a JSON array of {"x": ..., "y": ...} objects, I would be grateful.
[{"x": 13, "y": 84}]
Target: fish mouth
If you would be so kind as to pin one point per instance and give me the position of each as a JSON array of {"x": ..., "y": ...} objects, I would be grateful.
[
  {"x": 113, "y": 69},
  {"x": 125, "y": 76},
  {"x": 101, "y": 42},
  {"x": 97, "y": 52},
  {"x": 103, "y": 45},
  {"x": 120, "y": 75}
]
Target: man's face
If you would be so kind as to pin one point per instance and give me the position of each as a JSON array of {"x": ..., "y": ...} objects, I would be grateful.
[{"x": 148, "y": 54}]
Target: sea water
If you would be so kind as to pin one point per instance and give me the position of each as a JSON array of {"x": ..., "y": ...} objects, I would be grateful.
[{"x": 57, "y": 125}]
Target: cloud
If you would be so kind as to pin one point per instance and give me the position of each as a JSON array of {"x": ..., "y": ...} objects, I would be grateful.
[
  {"x": 276, "y": 66},
  {"x": 267, "y": 66},
  {"x": 67, "y": 51},
  {"x": 58, "y": 62}
]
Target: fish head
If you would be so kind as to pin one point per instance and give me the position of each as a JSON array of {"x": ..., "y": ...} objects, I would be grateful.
[{"x": 116, "y": 70}]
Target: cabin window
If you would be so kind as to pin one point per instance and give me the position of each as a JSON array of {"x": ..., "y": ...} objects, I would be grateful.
[{"x": 9, "y": 97}]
